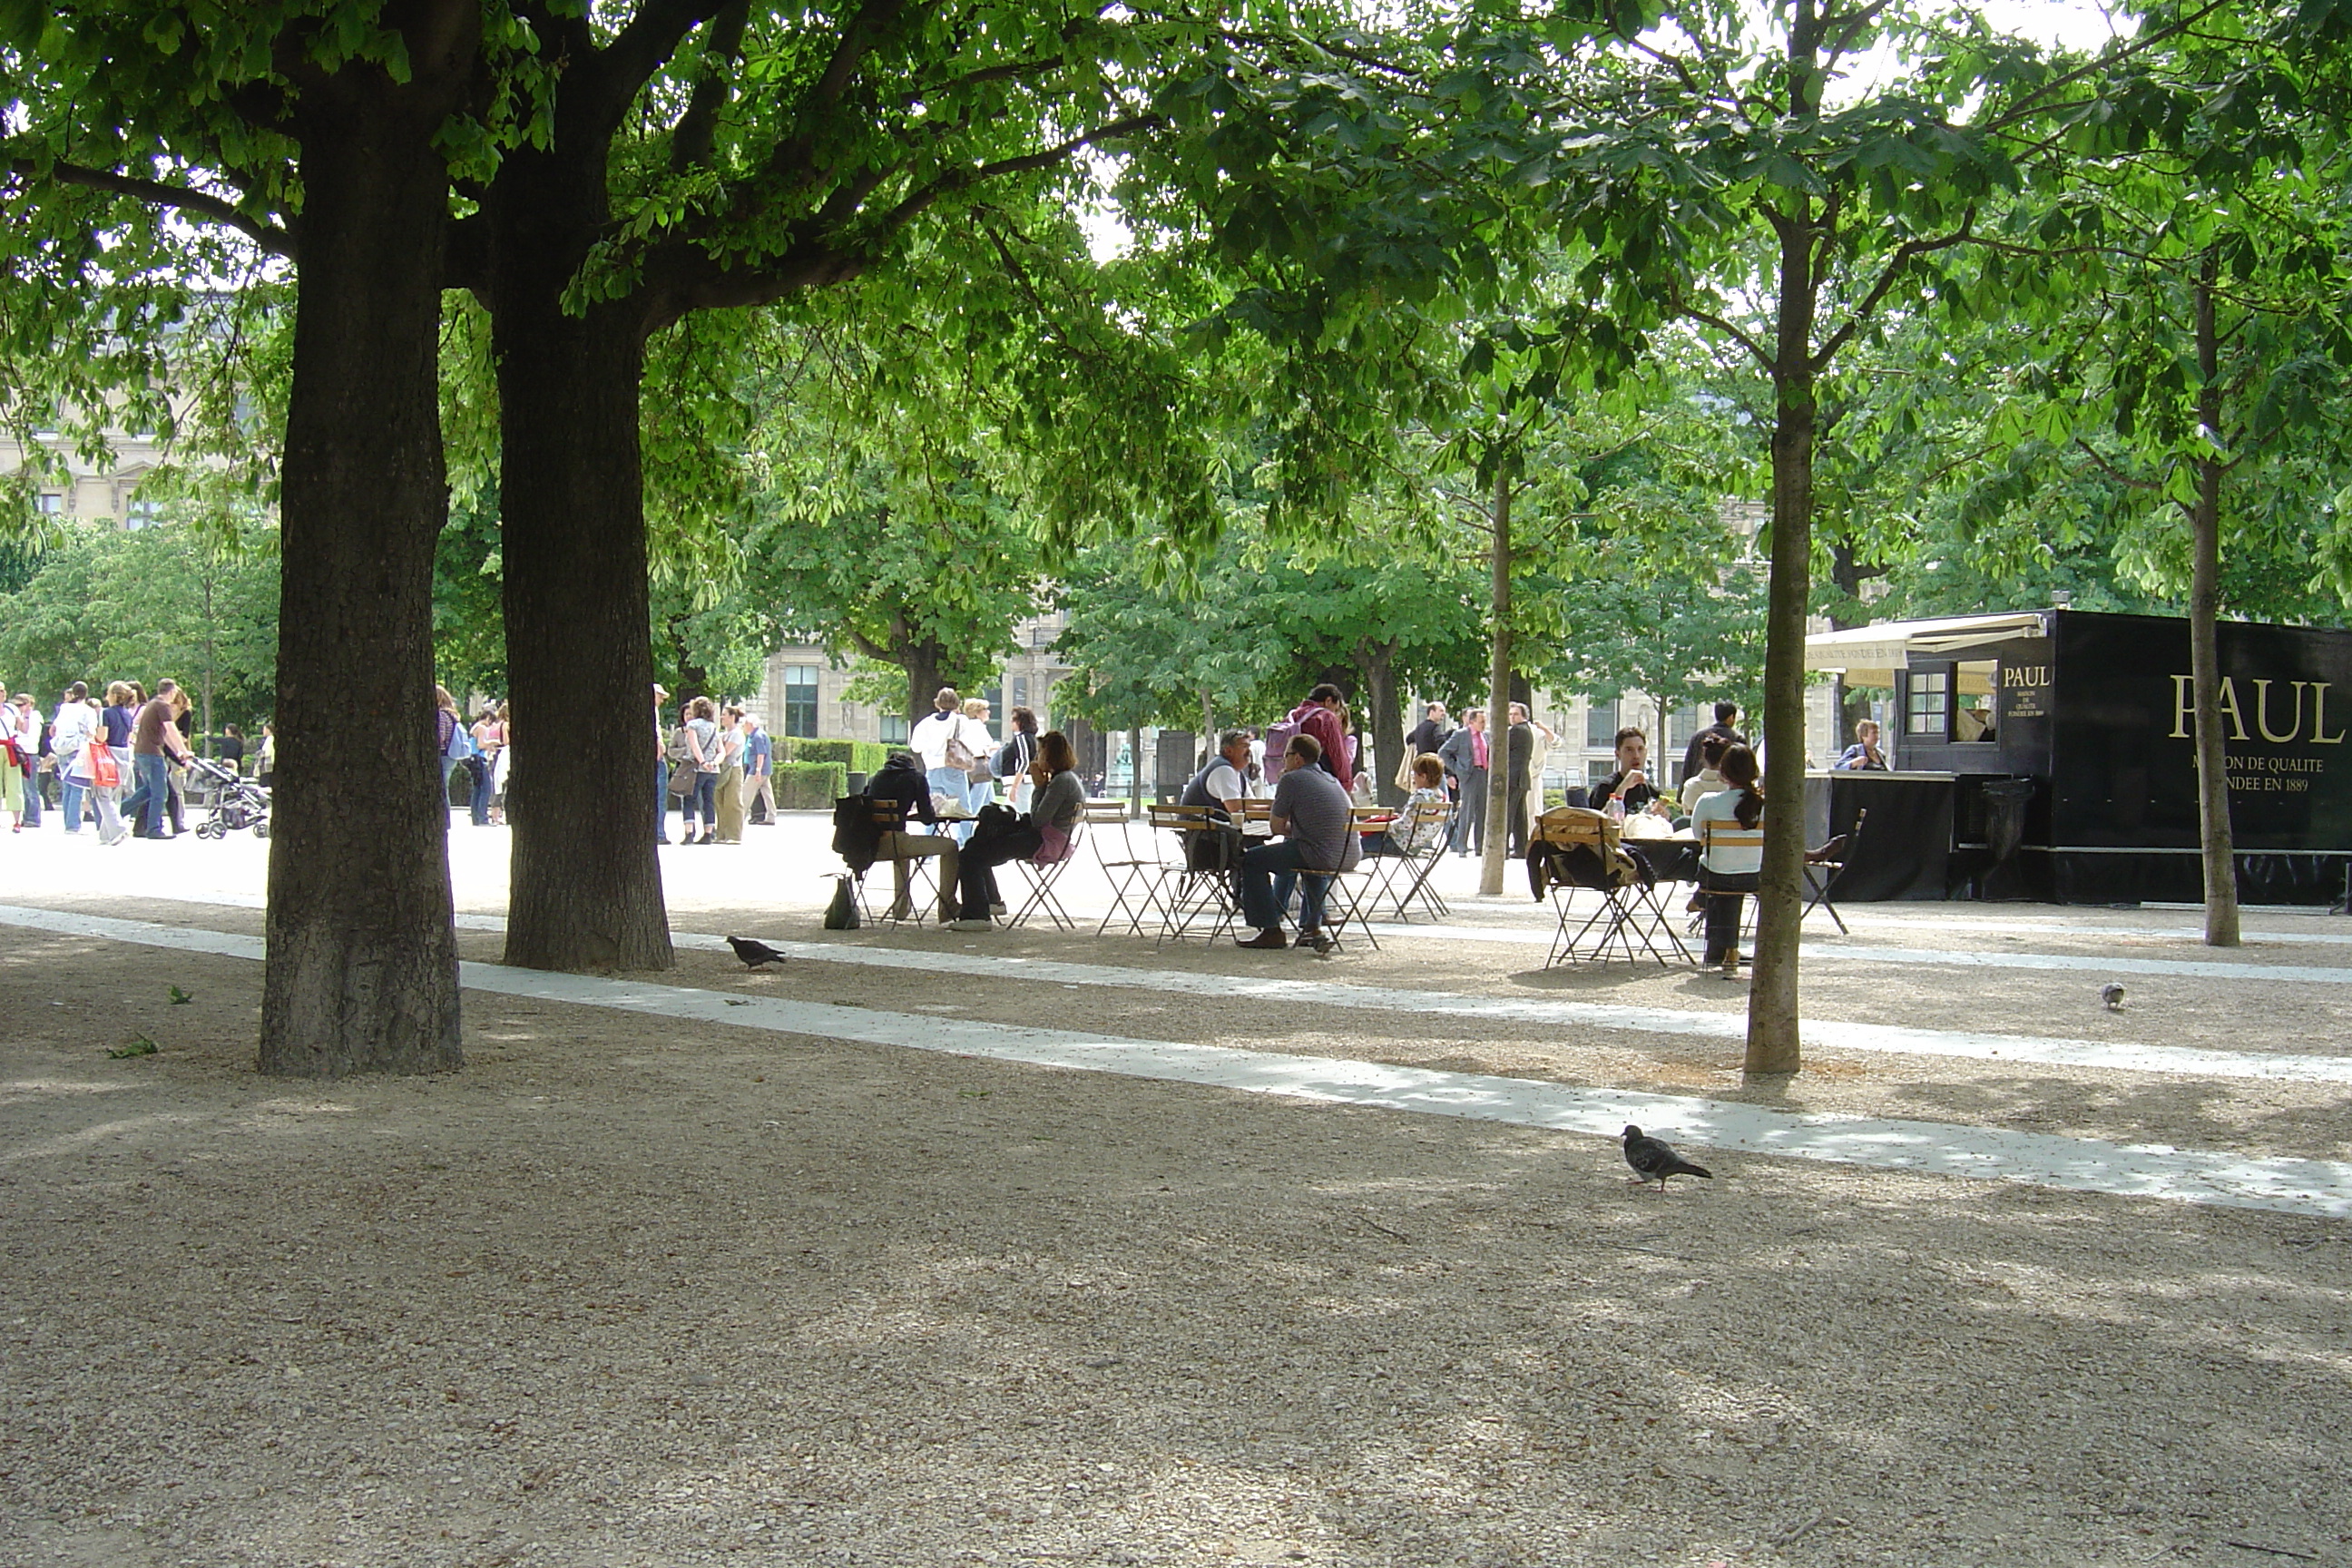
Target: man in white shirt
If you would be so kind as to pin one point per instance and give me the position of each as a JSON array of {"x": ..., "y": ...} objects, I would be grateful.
[{"x": 67, "y": 737}]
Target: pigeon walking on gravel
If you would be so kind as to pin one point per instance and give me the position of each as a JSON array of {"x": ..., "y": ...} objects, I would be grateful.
[
  {"x": 754, "y": 954},
  {"x": 1654, "y": 1161},
  {"x": 2112, "y": 995}
]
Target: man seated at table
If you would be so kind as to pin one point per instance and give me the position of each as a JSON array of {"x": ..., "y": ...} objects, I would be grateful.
[
  {"x": 1422, "y": 819},
  {"x": 1630, "y": 785},
  {"x": 1221, "y": 787},
  {"x": 902, "y": 779},
  {"x": 1313, "y": 834},
  {"x": 1865, "y": 755}
]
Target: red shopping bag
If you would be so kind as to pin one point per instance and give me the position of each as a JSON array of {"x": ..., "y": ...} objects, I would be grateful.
[{"x": 103, "y": 771}]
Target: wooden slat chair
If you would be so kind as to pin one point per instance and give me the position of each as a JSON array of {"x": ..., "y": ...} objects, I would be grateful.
[
  {"x": 1629, "y": 920},
  {"x": 1824, "y": 866},
  {"x": 1196, "y": 893},
  {"x": 1728, "y": 835},
  {"x": 1132, "y": 865}
]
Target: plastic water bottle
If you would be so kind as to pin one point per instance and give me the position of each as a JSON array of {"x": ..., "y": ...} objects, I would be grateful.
[{"x": 1616, "y": 810}]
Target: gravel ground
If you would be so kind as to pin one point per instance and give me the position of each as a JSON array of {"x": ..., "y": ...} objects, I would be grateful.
[{"x": 633, "y": 1292}]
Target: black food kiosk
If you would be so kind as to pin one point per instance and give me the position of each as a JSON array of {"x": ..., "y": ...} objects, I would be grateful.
[{"x": 2050, "y": 754}]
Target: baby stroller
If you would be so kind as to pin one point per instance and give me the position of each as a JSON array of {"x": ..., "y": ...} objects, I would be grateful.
[{"x": 236, "y": 802}]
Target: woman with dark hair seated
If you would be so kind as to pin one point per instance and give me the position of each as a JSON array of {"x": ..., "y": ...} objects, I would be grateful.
[
  {"x": 1728, "y": 872},
  {"x": 1041, "y": 834}
]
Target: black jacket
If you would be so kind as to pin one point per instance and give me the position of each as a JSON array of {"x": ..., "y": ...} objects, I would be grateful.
[{"x": 902, "y": 778}]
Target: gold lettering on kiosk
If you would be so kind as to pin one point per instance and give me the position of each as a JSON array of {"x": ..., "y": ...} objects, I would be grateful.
[
  {"x": 2184, "y": 707},
  {"x": 2262, "y": 711},
  {"x": 2320, "y": 734}
]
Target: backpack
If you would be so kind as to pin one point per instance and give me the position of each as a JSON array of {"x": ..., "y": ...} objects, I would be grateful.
[
  {"x": 1278, "y": 737},
  {"x": 842, "y": 913},
  {"x": 855, "y": 837},
  {"x": 460, "y": 745}
]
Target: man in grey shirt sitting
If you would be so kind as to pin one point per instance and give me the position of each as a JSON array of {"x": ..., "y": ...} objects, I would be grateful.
[{"x": 1314, "y": 834}]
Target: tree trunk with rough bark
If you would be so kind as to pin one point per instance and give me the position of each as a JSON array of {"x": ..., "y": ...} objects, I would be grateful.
[
  {"x": 1498, "y": 711},
  {"x": 1772, "y": 1007},
  {"x": 921, "y": 661},
  {"x": 585, "y": 887},
  {"x": 2217, "y": 844},
  {"x": 361, "y": 975},
  {"x": 1378, "y": 671}
]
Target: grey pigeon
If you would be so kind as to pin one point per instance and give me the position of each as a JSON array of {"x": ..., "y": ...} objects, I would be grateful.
[
  {"x": 1654, "y": 1161},
  {"x": 2112, "y": 995},
  {"x": 754, "y": 954}
]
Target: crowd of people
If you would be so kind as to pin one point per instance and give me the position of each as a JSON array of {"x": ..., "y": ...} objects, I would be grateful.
[
  {"x": 718, "y": 764},
  {"x": 119, "y": 764}
]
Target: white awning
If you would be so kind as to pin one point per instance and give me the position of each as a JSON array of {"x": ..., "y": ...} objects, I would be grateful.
[{"x": 1879, "y": 650}]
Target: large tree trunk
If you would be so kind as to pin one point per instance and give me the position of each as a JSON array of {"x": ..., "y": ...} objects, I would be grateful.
[
  {"x": 1387, "y": 717},
  {"x": 362, "y": 955},
  {"x": 586, "y": 888},
  {"x": 1772, "y": 1014},
  {"x": 2219, "y": 847},
  {"x": 922, "y": 662},
  {"x": 1498, "y": 711}
]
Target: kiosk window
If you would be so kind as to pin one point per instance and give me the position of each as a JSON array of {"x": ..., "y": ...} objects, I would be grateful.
[
  {"x": 1930, "y": 704},
  {"x": 1973, "y": 682}
]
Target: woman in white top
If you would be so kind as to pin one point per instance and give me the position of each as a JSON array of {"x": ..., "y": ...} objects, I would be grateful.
[
  {"x": 1710, "y": 777},
  {"x": 1728, "y": 873},
  {"x": 972, "y": 731}
]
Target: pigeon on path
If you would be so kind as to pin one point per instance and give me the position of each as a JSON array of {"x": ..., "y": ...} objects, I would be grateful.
[
  {"x": 2112, "y": 995},
  {"x": 754, "y": 954},
  {"x": 1654, "y": 1161}
]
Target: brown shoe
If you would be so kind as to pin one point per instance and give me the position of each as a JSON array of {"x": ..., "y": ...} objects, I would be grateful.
[{"x": 1266, "y": 939}]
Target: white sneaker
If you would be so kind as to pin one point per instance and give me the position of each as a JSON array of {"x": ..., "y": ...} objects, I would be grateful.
[
  {"x": 1731, "y": 966},
  {"x": 972, "y": 925}
]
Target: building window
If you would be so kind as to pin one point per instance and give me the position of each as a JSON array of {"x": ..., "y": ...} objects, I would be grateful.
[
  {"x": 893, "y": 729},
  {"x": 49, "y": 503},
  {"x": 142, "y": 514},
  {"x": 800, "y": 700},
  {"x": 1601, "y": 728},
  {"x": 1595, "y": 772},
  {"x": 1929, "y": 709},
  {"x": 1681, "y": 725},
  {"x": 1021, "y": 691}
]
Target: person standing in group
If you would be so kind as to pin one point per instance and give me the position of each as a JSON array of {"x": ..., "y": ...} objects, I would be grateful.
[
  {"x": 452, "y": 747},
  {"x": 21, "y": 724},
  {"x": 1321, "y": 716},
  {"x": 729, "y": 791},
  {"x": 1018, "y": 755},
  {"x": 489, "y": 751},
  {"x": 115, "y": 722},
  {"x": 1729, "y": 872},
  {"x": 930, "y": 739},
  {"x": 980, "y": 779},
  {"x": 155, "y": 747},
  {"x": 699, "y": 737},
  {"x": 80, "y": 769},
  {"x": 477, "y": 766},
  {"x": 265, "y": 760},
  {"x": 68, "y": 733},
  {"x": 1464, "y": 755},
  {"x": 661, "y": 768},
  {"x": 1539, "y": 757},
  {"x": 231, "y": 747},
  {"x": 12, "y": 777},
  {"x": 1423, "y": 738},
  {"x": 1726, "y": 717},
  {"x": 759, "y": 772},
  {"x": 1525, "y": 783}
]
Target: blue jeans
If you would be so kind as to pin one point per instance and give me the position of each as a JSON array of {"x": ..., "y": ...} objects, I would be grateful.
[
  {"x": 1268, "y": 874},
  {"x": 950, "y": 783},
  {"x": 70, "y": 794},
  {"x": 154, "y": 792},
  {"x": 661, "y": 801},
  {"x": 706, "y": 795}
]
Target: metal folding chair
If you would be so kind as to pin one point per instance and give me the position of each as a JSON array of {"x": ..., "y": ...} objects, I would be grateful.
[
  {"x": 1040, "y": 897},
  {"x": 1131, "y": 866},
  {"x": 1347, "y": 901},
  {"x": 1824, "y": 866},
  {"x": 1404, "y": 879},
  {"x": 1197, "y": 888},
  {"x": 890, "y": 818},
  {"x": 1629, "y": 920}
]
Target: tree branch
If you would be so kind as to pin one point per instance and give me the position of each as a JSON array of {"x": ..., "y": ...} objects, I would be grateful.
[
  {"x": 690, "y": 144},
  {"x": 1681, "y": 307},
  {"x": 1904, "y": 254},
  {"x": 179, "y": 198},
  {"x": 792, "y": 154},
  {"x": 608, "y": 80}
]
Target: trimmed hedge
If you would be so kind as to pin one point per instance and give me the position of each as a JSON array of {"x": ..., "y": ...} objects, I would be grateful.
[
  {"x": 810, "y": 786},
  {"x": 855, "y": 756}
]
